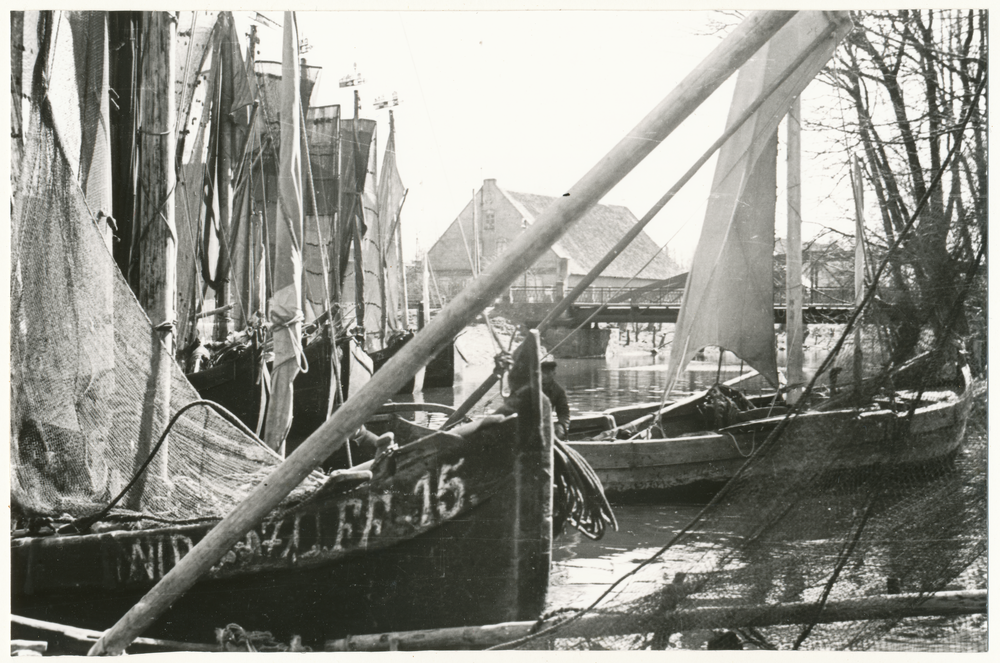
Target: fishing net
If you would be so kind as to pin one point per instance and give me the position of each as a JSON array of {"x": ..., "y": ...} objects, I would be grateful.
[
  {"x": 823, "y": 541},
  {"x": 84, "y": 389}
]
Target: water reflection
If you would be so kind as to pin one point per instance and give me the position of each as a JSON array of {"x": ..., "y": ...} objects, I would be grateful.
[{"x": 593, "y": 385}]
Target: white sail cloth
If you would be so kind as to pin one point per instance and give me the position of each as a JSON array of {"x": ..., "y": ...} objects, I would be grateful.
[{"x": 729, "y": 300}]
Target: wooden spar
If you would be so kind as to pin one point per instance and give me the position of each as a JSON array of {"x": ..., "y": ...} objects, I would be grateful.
[
  {"x": 358, "y": 209},
  {"x": 157, "y": 233},
  {"x": 424, "y": 315},
  {"x": 397, "y": 233},
  {"x": 87, "y": 635},
  {"x": 214, "y": 311},
  {"x": 795, "y": 357},
  {"x": 633, "y": 232},
  {"x": 158, "y": 247},
  {"x": 859, "y": 268},
  {"x": 224, "y": 172},
  {"x": 732, "y": 52},
  {"x": 870, "y": 607}
]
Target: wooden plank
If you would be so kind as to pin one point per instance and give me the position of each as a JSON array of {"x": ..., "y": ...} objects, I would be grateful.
[
  {"x": 871, "y": 607},
  {"x": 88, "y": 636}
]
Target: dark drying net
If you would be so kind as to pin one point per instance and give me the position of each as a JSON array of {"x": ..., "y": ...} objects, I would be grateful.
[{"x": 84, "y": 393}]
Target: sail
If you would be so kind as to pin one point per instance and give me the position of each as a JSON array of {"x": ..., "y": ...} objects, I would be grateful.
[
  {"x": 390, "y": 199},
  {"x": 285, "y": 306},
  {"x": 356, "y": 139},
  {"x": 371, "y": 251},
  {"x": 729, "y": 300},
  {"x": 197, "y": 57},
  {"x": 323, "y": 135}
]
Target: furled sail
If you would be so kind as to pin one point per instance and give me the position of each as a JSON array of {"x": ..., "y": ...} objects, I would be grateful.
[
  {"x": 390, "y": 199},
  {"x": 357, "y": 139},
  {"x": 285, "y": 306},
  {"x": 196, "y": 58},
  {"x": 729, "y": 300},
  {"x": 371, "y": 251},
  {"x": 322, "y": 127}
]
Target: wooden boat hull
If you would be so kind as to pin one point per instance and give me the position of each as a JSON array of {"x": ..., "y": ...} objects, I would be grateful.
[
  {"x": 438, "y": 537},
  {"x": 697, "y": 463}
]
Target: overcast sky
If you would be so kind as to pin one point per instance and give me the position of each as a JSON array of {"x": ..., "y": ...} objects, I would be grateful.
[{"x": 532, "y": 99}]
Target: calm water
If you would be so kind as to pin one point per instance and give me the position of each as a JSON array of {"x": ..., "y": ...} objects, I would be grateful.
[{"x": 593, "y": 385}]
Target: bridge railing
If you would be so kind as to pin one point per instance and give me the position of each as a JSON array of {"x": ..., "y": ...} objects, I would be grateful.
[
  {"x": 819, "y": 296},
  {"x": 601, "y": 295}
]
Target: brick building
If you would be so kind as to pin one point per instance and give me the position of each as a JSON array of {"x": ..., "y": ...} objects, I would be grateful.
[{"x": 489, "y": 224}]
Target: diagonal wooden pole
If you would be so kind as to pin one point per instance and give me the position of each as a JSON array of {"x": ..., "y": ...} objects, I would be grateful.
[
  {"x": 609, "y": 257},
  {"x": 728, "y": 56}
]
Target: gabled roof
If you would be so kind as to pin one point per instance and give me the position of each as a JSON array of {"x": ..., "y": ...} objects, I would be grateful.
[{"x": 593, "y": 236}]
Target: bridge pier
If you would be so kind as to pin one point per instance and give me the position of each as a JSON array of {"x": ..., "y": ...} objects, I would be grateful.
[{"x": 590, "y": 341}]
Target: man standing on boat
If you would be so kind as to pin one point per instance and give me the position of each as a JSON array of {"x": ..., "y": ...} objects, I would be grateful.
[
  {"x": 552, "y": 390},
  {"x": 556, "y": 395}
]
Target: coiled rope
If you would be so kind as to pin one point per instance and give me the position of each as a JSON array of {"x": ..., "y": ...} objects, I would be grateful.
[{"x": 579, "y": 496}]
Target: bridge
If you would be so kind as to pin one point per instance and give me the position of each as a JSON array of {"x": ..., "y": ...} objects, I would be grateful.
[{"x": 659, "y": 302}]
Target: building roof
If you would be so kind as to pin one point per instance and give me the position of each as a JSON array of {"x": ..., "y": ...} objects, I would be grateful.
[
  {"x": 593, "y": 236},
  {"x": 817, "y": 249}
]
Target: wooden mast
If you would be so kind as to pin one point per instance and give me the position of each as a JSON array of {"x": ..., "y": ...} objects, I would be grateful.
[
  {"x": 398, "y": 239},
  {"x": 795, "y": 357},
  {"x": 859, "y": 267},
  {"x": 223, "y": 182},
  {"x": 157, "y": 231},
  {"x": 729, "y": 55},
  {"x": 357, "y": 204}
]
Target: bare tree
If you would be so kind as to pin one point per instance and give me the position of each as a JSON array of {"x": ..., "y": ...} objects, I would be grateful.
[{"x": 916, "y": 81}]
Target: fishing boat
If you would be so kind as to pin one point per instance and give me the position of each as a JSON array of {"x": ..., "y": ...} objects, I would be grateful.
[
  {"x": 353, "y": 281},
  {"x": 896, "y": 417},
  {"x": 119, "y": 470},
  {"x": 688, "y": 454},
  {"x": 452, "y": 529}
]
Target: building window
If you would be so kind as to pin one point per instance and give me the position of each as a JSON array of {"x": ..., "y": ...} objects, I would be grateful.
[
  {"x": 489, "y": 220},
  {"x": 501, "y": 246}
]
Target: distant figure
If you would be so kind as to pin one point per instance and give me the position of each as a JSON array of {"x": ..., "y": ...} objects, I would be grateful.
[{"x": 556, "y": 396}]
